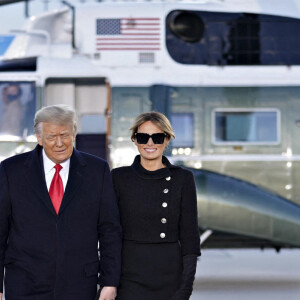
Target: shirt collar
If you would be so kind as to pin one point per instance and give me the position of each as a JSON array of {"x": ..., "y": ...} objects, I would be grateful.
[{"x": 49, "y": 164}]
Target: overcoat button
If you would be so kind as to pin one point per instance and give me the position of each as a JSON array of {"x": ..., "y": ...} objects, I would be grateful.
[
  {"x": 164, "y": 220},
  {"x": 165, "y": 204},
  {"x": 166, "y": 191},
  {"x": 168, "y": 178},
  {"x": 162, "y": 235}
]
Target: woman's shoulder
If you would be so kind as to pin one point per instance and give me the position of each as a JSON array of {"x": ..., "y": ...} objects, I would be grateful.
[
  {"x": 182, "y": 171},
  {"x": 121, "y": 171},
  {"x": 176, "y": 169}
]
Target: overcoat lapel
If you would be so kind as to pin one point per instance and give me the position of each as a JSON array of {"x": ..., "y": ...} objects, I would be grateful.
[
  {"x": 75, "y": 179},
  {"x": 36, "y": 178}
]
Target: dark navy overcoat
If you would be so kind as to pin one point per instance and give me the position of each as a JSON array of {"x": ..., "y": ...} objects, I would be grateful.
[{"x": 55, "y": 257}]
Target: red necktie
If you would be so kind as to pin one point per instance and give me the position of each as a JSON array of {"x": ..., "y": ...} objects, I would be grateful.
[{"x": 56, "y": 191}]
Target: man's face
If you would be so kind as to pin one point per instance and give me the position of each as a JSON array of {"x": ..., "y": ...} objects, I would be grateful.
[
  {"x": 57, "y": 141},
  {"x": 12, "y": 90}
]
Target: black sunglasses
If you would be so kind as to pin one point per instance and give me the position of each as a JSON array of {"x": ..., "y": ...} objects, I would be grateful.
[{"x": 143, "y": 138}]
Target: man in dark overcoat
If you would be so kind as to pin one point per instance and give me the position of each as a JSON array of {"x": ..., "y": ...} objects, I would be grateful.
[{"x": 57, "y": 205}]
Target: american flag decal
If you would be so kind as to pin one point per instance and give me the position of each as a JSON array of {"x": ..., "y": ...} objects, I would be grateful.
[{"x": 128, "y": 34}]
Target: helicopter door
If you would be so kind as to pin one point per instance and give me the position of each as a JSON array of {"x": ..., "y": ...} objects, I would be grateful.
[{"x": 89, "y": 97}]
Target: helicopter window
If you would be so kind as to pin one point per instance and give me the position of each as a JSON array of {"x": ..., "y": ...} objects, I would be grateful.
[
  {"x": 256, "y": 126},
  {"x": 183, "y": 125},
  {"x": 187, "y": 26},
  {"x": 17, "y": 109},
  {"x": 221, "y": 38}
]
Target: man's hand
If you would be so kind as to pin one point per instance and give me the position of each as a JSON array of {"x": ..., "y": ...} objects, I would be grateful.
[
  {"x": 0, "y": 296},
  {"x": 107, "y": 293}
]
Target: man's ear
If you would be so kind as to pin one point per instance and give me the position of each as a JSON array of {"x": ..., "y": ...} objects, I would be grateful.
[{"x": 39, "y": 139}]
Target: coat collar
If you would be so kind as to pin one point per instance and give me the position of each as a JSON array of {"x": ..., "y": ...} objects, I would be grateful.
[
  {"x": 36, "y": 178},
  {"x": 158, "y": 174}
]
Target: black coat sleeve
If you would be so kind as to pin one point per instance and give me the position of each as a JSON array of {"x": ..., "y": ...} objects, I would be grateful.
[
  {"x": 5, "y": 216},
  {"x": 189, "y": 238},
  {"x": 110, "y": 235},
  {"x": 187, "y": 278},
  {"x": 188, "y": 224}
]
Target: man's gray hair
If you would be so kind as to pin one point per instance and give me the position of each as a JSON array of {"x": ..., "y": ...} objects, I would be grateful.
[{"x": 56, "y": 114}]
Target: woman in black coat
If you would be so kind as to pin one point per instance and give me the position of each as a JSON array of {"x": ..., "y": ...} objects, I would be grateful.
[{"x": 158, "y": 208}]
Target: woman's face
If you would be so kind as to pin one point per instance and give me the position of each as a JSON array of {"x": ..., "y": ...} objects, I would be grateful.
[{"x": 151, "y": 151}]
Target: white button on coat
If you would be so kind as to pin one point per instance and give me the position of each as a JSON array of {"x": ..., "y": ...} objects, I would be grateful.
[
  {"x": 164, "y": 220},
  {"x": 168, "y": 178},
  {"x": 162, "y": 235},
  {"x": 165, "y": 204},
  {"x": 166, "y": 191}
]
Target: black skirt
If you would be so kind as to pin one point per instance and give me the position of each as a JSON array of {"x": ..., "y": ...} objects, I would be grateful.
[{"x": 149, "y": 271}]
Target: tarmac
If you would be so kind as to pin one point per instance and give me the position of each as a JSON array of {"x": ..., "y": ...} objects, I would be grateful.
[{"x": 248, "y": 274}]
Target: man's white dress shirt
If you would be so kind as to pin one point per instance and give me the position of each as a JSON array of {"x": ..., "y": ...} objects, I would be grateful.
[{"x": 50, "y": 170}]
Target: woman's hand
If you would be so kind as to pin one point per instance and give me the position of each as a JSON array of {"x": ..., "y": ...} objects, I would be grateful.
[{"x": 108, "y": 293}]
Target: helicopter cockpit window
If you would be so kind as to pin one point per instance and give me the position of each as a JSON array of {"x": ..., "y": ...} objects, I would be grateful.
[
  {"x": 253, "y": 126},
  {"x": 17, "y": 109}
]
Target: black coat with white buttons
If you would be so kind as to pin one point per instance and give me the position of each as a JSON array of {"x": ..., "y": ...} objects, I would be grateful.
[{"x": 158, "y": 206}]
